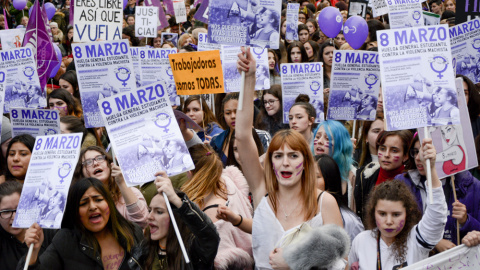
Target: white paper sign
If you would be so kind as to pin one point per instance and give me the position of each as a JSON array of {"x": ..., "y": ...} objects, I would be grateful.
[
  {"x": 354, "y": 86},
  {"x": 97, "y": 20},
  {"x": 144, "y": 133},
  {"x": 50, "y": 172},
  {"x": 455, "y": 144},
  {"x": 204, "y": 45},
  {"x": 417, "y": 77},
  {"x": 35, "y": 122},
  {"x": 146, "y": 21},
  {"x": 292, "y": 21},
  {"x": 23, "y": 86},
  {"x": 12, "y": 38},
  {"x": 180, "y": 11},
  {"x": 303, "y": 78},
  {"x": 460, "y": 257},
  {"x": 402, "y": 14},
  {"x": 104, "y": 69},
  {"x": 465, "y": 43},
  {"x": 156, "y": 67},
  {"x": 379, "y": 7},
  {"x": 135, "y": 52}
]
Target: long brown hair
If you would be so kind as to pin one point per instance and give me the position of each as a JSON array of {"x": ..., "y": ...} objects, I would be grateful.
[
  {"x": 395, "y": 191},
  {"x": 173, "y": 250},
  {"x": 78, "y": 174},
  {"x": 261, "y": 122},
  {"x": 366, "y": 125},
  {"x": 208, "y": 116},
  {"x": 206, "y": 175},
  {"x": 121, "y": 229},
  {"x": 296, "y": 142}
]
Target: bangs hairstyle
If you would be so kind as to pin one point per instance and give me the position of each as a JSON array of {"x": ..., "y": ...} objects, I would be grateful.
[
  {"x": 78, "y": 174},
  {"x": 342, "y": 149},
  {"x": 10, "y": 187},
  {"x": 395, "y": 191},
  {"x": 208, "y": 116},
  {"x": 263, "y": 119},
  {"x": 296, "y": 142},
  {"x": 405, "y": 136},
  {"x": 73, "y": 105},
  {"x": 206, "y": 175},
  {"x": 121, "y": 229}
]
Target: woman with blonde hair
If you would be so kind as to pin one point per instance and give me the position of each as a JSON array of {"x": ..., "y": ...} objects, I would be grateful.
[
  {"x": 288, "y": 178},
  {"x": 211, "y": 186}
]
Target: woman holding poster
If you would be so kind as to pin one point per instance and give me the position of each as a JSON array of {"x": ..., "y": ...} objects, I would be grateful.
[
  {"x": 288, "y": 177},
  {"x": 95, "y": 162},
  {"x": 94, "y": 234},
  {"x": 12, "y": 239},
  {"x": 397, "y": 231}
]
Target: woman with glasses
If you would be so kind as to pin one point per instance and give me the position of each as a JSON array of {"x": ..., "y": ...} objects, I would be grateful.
[
  {"x": 129, "y": 201},
  {"x": 12, "y": 244},
  {"x": 270, "y": 116},
  {"x": 466, "y": 209}
]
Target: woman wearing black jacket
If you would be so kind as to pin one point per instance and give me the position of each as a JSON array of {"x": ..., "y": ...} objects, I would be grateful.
[
  {"x": 161, "y": 249},
  {"x": 94, "y": 234}
]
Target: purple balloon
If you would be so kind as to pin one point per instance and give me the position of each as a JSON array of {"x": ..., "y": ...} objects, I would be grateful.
[
  {"x": 330, "y": 21},
  {"x": 59, "y": 55},
  {"x": 50, "y": 9},
  {"x": 19, "y": 4},
  {"x": 125, "y": 3},
  {"x": 355, "y": 31}
]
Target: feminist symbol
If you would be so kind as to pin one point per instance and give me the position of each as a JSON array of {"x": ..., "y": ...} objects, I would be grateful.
[
  {"x": 162, "y": 120},
  {"x": 123, "y": 74},
  {"x": 29, "y": 72},
  {"x": 370, "y": 80},
  {"x": 438, "y": 64},
  {"x": 476, "y": 44},
  {"x": 314, "y": 86},
  {"x": 416, "y": 15},
  {"x": 169, "y": 72},
  {"x": 259, "y": 54},
  {"x": 64, "y": 170}
]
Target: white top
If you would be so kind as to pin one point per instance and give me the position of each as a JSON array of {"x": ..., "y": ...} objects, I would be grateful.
[
  {"x": 423, "y": 237},
  {"x": 352, "y": 223},
  {"x": 267, "y": 232}
]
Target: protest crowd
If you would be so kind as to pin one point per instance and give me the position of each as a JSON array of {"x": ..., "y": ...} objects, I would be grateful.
[{"x": 289, "y": 166}]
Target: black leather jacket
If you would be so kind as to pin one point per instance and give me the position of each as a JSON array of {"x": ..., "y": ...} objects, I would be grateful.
[
  {"x": 202, "y": 246},
  {"x": 69, "y": 250}
]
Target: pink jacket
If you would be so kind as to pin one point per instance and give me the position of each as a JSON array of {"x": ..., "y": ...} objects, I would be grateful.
[
  {"x": 136, "y": 212},
  {"x": 235, "y": 245}
]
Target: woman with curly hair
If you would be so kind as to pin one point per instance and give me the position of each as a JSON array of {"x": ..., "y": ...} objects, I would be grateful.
[{"x": 396, "y": 231}]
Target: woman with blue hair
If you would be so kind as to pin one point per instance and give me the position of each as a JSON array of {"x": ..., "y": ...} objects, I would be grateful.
[{"x": 332, "y": 138}]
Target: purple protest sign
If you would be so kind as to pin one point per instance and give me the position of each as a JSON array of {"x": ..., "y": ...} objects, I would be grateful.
[
  {"x": 202, "y": 12},
  {"x": 169, "y": 7},
  {"x": 37, "y": 36},
  {"x": 162, "y": 19}
]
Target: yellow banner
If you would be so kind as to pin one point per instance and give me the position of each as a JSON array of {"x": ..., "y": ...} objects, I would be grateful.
[{"x": 197, "y": 72}]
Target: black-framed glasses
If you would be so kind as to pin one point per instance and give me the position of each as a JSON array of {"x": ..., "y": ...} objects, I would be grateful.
[
  {"x": 414, "y": 152},
  {"x": 7, "y": 213},
  {"x": 98, "y": 159},
  {"x": 269, "y": 102}
]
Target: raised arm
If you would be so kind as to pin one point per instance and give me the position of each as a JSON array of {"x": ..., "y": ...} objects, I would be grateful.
[
  {"x": 247, "y": 149},
  {"x": 430, "y": 229}
]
